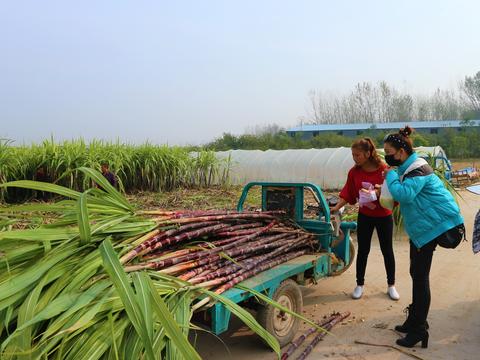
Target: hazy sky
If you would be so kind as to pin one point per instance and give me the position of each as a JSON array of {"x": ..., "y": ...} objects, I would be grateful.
[{"x": 184, "y": 72}]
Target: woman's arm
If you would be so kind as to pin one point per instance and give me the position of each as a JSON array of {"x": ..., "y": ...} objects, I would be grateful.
[
  {"x": 405, "y": 191},
  {"x": 341, "y": 203}
]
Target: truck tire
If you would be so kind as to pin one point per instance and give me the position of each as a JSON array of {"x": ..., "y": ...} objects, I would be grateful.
[{"x": 281, "y": 325}]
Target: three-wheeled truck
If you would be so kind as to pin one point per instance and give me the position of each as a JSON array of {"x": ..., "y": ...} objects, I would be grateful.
[{"x": 334, "y": 254}]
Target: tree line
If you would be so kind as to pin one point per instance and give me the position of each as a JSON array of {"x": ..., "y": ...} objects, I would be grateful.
[
  {"x": 457, "y": 144},
  {"x": 381, "y": 102},
  {"x": 368, "y": 103}
]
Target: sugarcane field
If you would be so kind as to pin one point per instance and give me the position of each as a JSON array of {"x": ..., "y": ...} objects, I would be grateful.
[{"x": 239, "y": 180}]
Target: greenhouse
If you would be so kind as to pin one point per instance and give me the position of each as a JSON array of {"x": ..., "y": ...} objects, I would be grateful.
[{"x": 327, "y": 168}]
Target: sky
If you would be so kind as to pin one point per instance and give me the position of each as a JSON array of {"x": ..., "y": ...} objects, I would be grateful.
[{"x": 185, "y": 72}]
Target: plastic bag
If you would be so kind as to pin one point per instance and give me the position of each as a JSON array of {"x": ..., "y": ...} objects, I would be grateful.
[
  {"x": 386, "y": 198},
  {"x": 367, "y": 195}
]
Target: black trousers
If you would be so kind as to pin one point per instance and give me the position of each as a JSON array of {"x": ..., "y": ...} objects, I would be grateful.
[
  {"x": 384, "y": 226},
  {"x": 420, "y": 264}
]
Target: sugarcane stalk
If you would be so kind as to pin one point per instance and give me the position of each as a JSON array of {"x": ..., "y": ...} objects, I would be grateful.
[
  {"x": 244, "y": 226},
  {"x": 171, "y": 254},
  {"x": 238, "y": 232},
  {"x": 256, "y": 216},
  {"x": 194, "y": 272},
  {"x": 184, "y": 213},
  {"x": 215, "y": 255},
  {"x": 170, "y": 262},
  {"x": 248, "y": 274},
  {"x": 199, "y": 270},
  {"x": 212, "y": 268},
  {"x": 299, "y": 341},
  {"x": 147, "y": 236},
  {"x": 283, "y": 246},
  {"x": 260, "y": 268},
  {"x": 162, "y": 241},
  {"x": 216, "y": 278},
  {"x": 176, "y": 265},
  {"x": 157, "y": 212},
  {"x": 150, "y": 241},
  {"x": 321, "y": 335},
  {"x": 236, "y": 235}
]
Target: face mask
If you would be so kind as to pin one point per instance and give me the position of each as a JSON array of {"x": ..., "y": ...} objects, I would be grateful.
[{"x": 391, "y": 161}]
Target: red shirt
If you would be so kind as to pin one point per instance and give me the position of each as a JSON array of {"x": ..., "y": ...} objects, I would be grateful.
[{"x": 350, "y": 191}]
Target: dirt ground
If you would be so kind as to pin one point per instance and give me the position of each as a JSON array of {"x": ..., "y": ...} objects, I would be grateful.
[{"x": 454, "y": 314}]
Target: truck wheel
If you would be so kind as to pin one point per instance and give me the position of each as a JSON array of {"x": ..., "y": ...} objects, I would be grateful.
[{"x": 281, "y": 325}]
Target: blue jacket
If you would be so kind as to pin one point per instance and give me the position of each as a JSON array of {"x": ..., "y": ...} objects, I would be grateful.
[{"x": 427, "y": 207}]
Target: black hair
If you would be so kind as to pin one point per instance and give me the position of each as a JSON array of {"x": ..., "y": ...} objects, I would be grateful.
[{"x": 401, "y": 140}]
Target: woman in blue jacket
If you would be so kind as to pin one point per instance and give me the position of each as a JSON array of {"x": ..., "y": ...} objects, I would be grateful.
[{"x": 428, "y": 210}]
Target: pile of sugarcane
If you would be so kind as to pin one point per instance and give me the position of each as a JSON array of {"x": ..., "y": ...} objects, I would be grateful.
[
  {"x": 216, "y": 249},
  {"x": 101, "y": 280}
]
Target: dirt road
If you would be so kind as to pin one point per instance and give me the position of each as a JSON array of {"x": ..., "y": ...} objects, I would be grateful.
[{"x": 454, "y": 315}]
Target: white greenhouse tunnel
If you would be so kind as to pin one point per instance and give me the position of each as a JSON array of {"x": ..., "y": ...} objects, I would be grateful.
[{"x": 327, "y": 168}]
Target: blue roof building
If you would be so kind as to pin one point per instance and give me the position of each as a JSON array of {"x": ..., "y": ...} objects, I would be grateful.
[{"x": 429, "y": 127}]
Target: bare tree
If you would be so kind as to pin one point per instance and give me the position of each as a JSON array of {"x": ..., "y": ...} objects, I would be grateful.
[
  {"x": 471, "y": 90},
  {"x": 383, "y": 103}
]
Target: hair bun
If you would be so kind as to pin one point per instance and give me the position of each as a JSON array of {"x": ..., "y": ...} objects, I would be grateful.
[{"x": 406, "y": 131}]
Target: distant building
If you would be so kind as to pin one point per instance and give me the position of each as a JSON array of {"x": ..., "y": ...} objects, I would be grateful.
[{"x": 425, "y": 127}]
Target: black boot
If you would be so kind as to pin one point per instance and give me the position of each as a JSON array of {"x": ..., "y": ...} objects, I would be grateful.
[
  {"x": 416, "y": 335},
  {"x": 407, "y": 325}
]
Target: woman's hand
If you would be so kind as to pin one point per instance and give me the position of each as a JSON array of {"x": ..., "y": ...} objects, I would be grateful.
[
  {"x": 341, "y": 203},
  {"x": 334, "y": 209},
  {"x": 386, "y": 171},
  {"x": 378, "y": 190}
]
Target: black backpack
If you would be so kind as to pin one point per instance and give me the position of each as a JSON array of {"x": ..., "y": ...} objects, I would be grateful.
[{"x": 451, "y": 238}]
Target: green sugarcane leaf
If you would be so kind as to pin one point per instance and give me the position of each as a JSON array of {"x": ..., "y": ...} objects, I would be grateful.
[
  {"x": 114, "y": 349},
  {"x": 122, "y": 285},
  {"x": 172, "y": 330},
  {"x": 26, "y": 278},
  {"x": 82, "y": 277},
  {"x": 43, "y": 186},
  {"x": 181, "y": 308},
  {"x": 83, "y": 220},
  {"x": 103, "y": 224},
  {"x": 56, "y": 307},
  {"x": 103, "y": 182},
  {"x": 17, "y": 297},
  {"x": 82, "y": 300},
  {"x": 40, "y": 235},
  {"x": 41, "y": 207},
  {"x": 61, "y": 274},
  {"x": 86, "y": 317},
  {"x": 133, "y": 346},
  {"x": 99, "y": 340},
  {"x": 144, "y": 300},
  {"x": 76, "y": 343},
  {"x": 27, "y": 312}
]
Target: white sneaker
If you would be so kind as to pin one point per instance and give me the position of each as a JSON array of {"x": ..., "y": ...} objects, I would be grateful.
[
  {"x": 357, "y": 292},
  {"x": 392, "y": 292}
]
